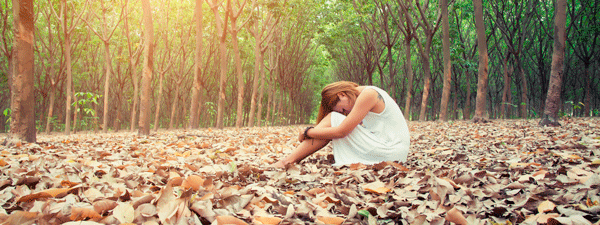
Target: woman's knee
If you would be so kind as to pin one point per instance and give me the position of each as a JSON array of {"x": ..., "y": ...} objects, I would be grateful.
[{"x": 326, "y": 121}]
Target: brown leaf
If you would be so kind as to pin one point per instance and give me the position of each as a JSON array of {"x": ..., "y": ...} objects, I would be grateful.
[
  {"x": 455, "y": 216},
  {"x": 193, "y": 181},
  {"x": 331, "y": 220},
  {"x": 124, "y": 212},
  {"x": 83, "y": 214},
  {"x": 377, "y": 187},
  {"x": 222, "y": 220},
  {"x": 3, "y": 163},
  {"x": 103, "y": 206},
  {"x": 20, "y": 218},
  {"x": 546, "y": 206},
  {"x": 34, "y": 197},
  {"x": 68, "y": 184},
  {"x": 146, "y": 210},
  {"x": 267, "y": 220}
]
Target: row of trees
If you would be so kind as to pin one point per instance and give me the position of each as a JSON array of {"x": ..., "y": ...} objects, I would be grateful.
[
  {"x": 170, "y": 64},
  {"x": 426, "y": 53},
  {"x": 166, "y": 64}
]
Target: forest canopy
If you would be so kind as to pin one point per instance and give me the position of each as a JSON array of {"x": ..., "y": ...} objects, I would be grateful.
[{"x": 264, "y": 62}]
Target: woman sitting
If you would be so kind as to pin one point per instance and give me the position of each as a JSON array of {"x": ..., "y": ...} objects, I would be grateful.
[{"x": 364, "y": 124}]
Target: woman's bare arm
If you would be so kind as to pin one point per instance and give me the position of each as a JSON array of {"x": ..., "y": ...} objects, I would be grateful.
[{"x": 364, "y": 103}]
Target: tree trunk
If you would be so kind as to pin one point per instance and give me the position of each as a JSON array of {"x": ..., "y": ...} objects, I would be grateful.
[
  {"x": 222, "y": 76},
  {"x": 147, "y": 71},
  {"x": 67, "y": 52},
  {"x": 260, "y": 97},
  {"x": 524, "y": 100},
  {"x": 132, "y": 74},
  {"x": 136, "y": 91},
  {"x": 447, "y": 62},
  {"x": 551, "y": 108},
  {"x": 258, "y": 60},
  {"x": 22, "y": 124},
  {"x": 240, "y": 78},
  {"x": 588, "y": 88},
  {"x": 270, "y": 103},
  {"x": 238, "y": 62},
  {"x": 76, "y": 116},
  {"x": 51, "y": 106},
  {"x": 427, "y": 81},
  {"x": 222, "y": 33},
  {"x": 194, "y": 117},
  {"x": 409, "y": 74},
  {"x": 108, "y": 69},
  {"x": 174, "y": 109},
  {"x": 158, "y": 99},
  {"x": 506, "y": 94},
  {"x": 467, "y": 110},
  {"x": 482, "y": 78}
]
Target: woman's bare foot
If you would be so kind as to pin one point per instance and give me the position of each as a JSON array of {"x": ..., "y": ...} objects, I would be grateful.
[{"x": 281, "y": 164}]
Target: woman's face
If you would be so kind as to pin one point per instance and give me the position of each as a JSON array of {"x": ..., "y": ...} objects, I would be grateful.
[{"x": 344, "y": 105}]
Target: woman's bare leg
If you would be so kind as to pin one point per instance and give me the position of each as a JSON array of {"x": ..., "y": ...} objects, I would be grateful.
[{"x": 307, "y": 147}]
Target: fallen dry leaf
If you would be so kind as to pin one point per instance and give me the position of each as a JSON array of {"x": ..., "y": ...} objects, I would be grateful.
[
  {"x": 455, "y": 216},
  {"x": 331, "y": 220},
  {"x": 503, "y": 172},
  {"x": 124, "y": 212},
  {"x": 83, "y": 214},
  {"x": 267, "y": 220},
  {"x": 546, "y": 206},
  {"x": 376, "y": 187},
  {"x": 223, "y": 220},
  {"x": 19, "y": 218}
]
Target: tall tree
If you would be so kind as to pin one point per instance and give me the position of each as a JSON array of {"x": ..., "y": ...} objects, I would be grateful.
[
  {"x": 67, "y": 32},
  {"x": 222, "y": 33},
  {"x": 429, "y": 30},
  {"x": 133, "y": 59},
  {"x": 165, "y": 61},
  {"x": 106, "y": 35},
  {"x": 384, "y": 18},
  {"x": 6, "y": 42},
  {"x": 447, "y": 62},
  {"x": 513, "y": 21},
  {"x": 585, "y": 42},
  {"x": 506, "y": 93},
  {"x": 194, "y": 117},
  {"x": 550, "y": 116},
  {"x": 468, "y": 42},
  {"x": 51, "y": 77},
  {"x": 183, "y": 70},
  {"x": 261, "y": 29},
  {"x": 405, "y": 25},
  {"x": 482, "y": 80},
  {"x": 235, "y": 29},
  {"x": 147, "y": 71},
  {"x": 22, "y": 124}
]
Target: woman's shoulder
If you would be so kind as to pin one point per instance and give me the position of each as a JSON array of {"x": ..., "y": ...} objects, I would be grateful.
[
  {"x": 366, "y": 89},
  {"x": 373, "y": 89}
]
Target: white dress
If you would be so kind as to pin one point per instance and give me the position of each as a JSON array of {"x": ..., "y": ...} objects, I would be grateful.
[{"x": 380, "y": 137}]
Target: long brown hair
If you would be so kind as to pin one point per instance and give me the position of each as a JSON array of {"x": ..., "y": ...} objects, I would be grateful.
[{"x": 329, "y": 97}]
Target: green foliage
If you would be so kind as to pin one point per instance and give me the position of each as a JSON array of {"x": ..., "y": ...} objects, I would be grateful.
[
  {"x": 571, "y": 108},
  {"x": 6, "y": 113},
  {"x": 330, "y": 25},
  {"x": 86, "y": 102}
]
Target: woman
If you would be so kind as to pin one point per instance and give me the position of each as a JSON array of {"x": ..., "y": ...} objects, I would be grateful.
[{"x": 364, "y": 124}]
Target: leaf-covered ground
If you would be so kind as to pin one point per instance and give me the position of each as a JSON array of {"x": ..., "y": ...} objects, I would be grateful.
[{"x": 502, "y": 172}]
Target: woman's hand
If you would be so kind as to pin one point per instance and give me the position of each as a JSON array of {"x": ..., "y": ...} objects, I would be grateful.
[
  {"x": 301, "y": 136},
  {"x": 304, "y": 134}
]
